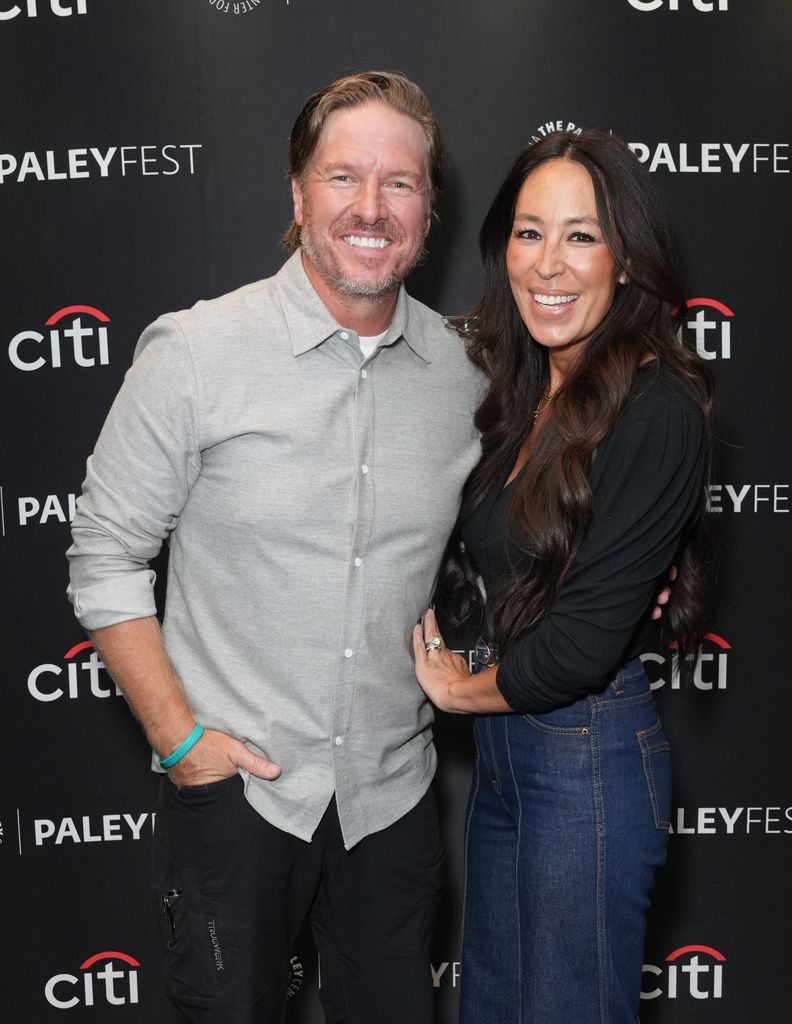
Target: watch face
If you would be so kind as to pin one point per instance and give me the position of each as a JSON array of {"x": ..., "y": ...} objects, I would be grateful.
[{"x": 486, "y": 654}]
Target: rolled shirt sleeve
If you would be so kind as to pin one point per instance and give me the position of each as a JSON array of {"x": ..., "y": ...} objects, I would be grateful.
[{"x": 137, "y": 482}]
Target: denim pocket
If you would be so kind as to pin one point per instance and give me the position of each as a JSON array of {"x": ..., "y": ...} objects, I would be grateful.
[
  {"x": 656, "y": 755},
  {"x": 572, "y": 720}
]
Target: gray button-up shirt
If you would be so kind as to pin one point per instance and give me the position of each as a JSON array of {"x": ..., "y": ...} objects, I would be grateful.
[{"x": 307, "y": 495}]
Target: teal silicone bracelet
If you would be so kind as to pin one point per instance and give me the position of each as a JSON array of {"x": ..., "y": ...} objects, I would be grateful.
[{"x": 182, "y": 748}]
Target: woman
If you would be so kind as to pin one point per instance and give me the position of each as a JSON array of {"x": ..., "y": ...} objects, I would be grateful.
[{"x": 595, "y": 440}]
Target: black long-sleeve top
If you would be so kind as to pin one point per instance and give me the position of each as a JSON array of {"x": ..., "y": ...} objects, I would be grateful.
[{"x": 646, "y": 482}]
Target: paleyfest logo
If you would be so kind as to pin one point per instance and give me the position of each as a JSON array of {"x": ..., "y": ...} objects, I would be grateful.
[
  {"x": 296, "y": 976},
  {"x": 555, "y": 126},
  {"x": 41, "y": 510},
  {"x": 714, "y": 157},
  {"x": 241, "y": 7},
  {"x": 90, "y": 162},
  {"x": 696, "y": 157}
]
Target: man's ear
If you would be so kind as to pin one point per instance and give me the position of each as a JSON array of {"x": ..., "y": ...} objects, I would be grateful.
[
  {"x": 297, "y": 199},
  {"x": 429, "y": 218}
]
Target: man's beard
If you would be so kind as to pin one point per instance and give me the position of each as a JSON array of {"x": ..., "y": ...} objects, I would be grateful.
[{"x": 323, "y": 259}]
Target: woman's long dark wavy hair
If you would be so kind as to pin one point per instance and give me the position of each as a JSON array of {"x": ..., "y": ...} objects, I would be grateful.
[{"x": 551, "y": 502}]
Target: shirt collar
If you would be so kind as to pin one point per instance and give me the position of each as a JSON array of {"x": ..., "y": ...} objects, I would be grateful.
[{"x": 310, "y": 323}]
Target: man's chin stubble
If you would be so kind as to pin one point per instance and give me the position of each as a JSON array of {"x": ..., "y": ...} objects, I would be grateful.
[{"x": 354, "y": 287}]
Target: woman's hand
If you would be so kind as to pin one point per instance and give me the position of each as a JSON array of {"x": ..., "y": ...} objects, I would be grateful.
[{"x": 437, "y": 669}]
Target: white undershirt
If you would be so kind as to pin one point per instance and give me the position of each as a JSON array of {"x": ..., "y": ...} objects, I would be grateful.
[{"x": 367, "y": 345}]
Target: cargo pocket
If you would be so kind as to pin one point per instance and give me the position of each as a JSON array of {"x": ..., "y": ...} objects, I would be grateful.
[
  {"x": 194, "y": 937},
  {"x": 191, "y": 926}
]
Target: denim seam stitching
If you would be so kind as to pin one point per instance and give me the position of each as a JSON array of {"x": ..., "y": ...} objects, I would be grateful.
[
  {"x": 644, "y": 737},
  {"x": 494, "y": 758},
  {"x": 600, "y": 838},
  {"x": 517, "y": 875},
  {"x": 624, "y": 702}
]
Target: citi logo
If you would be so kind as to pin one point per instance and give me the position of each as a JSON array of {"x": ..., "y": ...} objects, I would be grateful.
[
  {"x": 58, "y": 7},
  {"x": 695, "y": 971},
  {"x": 705, "y": 6},
  {"x": 77, "y": 344},
  {"x": 709, "y": 327},
  {"x": 83, "y": 675},
  {"x": 105, "y": 986},
  {"x": 710, "y": 672}
]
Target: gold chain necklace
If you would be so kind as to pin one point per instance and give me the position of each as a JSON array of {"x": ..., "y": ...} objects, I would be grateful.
[{"x": 543, "y": 403}]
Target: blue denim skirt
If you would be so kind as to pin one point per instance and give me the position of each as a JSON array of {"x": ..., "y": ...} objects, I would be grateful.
[{"x": 567, "y": 823}]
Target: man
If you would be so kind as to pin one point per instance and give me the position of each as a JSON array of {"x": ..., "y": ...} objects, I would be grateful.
[{"x": 302, "y": 444}]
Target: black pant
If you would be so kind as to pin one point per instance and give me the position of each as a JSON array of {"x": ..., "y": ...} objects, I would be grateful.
[{"x": 234, "y": 891}]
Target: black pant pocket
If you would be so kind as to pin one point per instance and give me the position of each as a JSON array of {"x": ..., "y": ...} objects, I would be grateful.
[
  {"x": 191, "y": 919},
  {"x": 194, "y": 934}
]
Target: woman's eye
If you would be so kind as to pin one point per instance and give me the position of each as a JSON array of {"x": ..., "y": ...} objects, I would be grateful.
[
  {"x": 582, "y": 236},
  {"x": 528, "y": 233}
]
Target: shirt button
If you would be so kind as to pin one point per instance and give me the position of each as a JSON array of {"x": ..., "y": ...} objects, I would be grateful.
[
  {"x": 364, "y": 374},
  {"x": 358, "y": 562},
  {"x": 364, "y": 468},
  {"x": 344, "y": 335},
  {"x": 348, "y": 652},
  {"x": 339, "y": 740}
]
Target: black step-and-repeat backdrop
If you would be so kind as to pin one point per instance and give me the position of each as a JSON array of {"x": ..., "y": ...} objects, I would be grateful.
[{"x": 141, "y": 168}]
